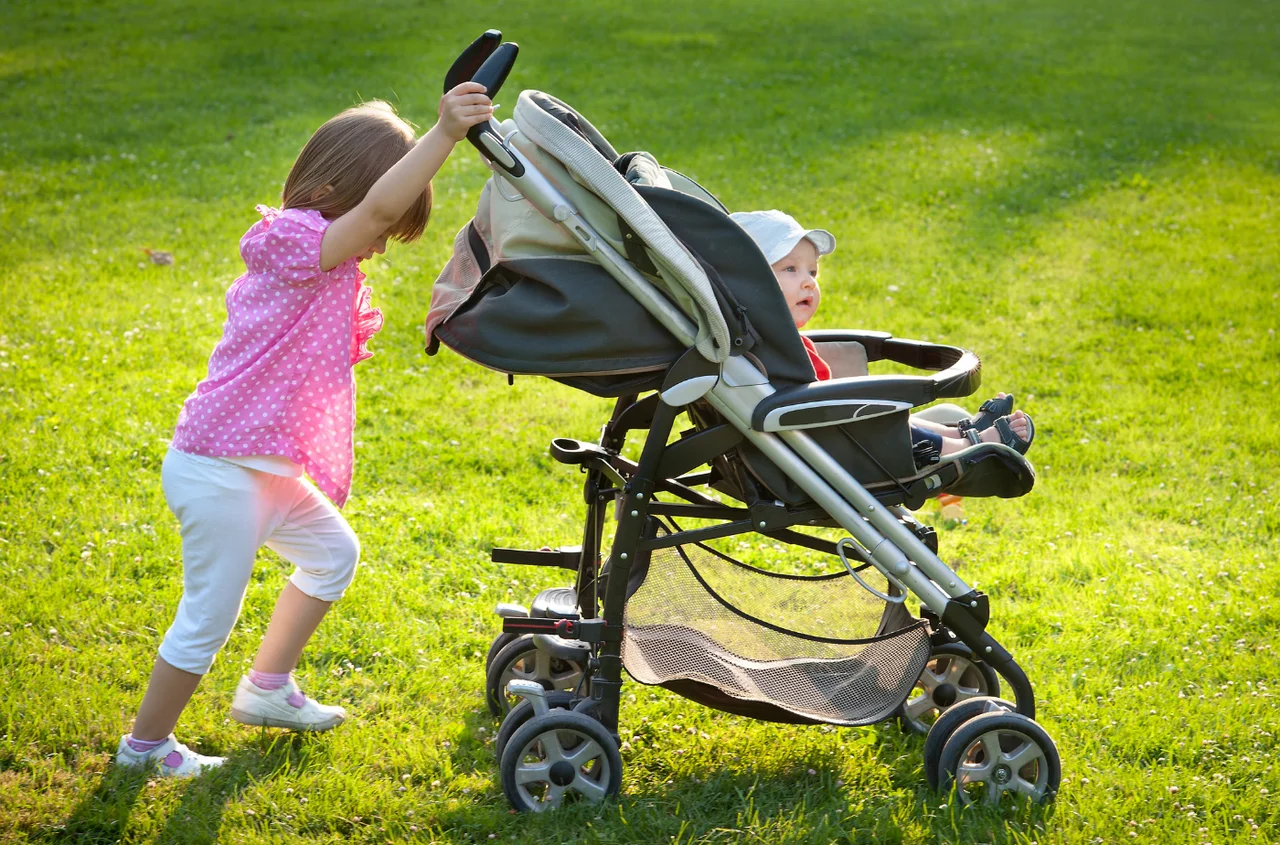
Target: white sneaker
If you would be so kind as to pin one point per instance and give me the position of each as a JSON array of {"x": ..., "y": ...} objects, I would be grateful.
[
  {"x": 170, "y": 759},
  {"x": 286, "y": 707}
]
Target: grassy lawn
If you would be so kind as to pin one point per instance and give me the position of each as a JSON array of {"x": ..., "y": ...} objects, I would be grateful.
[{"x": 1086, "y": 193}]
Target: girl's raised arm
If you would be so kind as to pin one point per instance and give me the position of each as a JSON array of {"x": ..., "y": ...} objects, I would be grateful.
[{"x": 391, "y": 196}]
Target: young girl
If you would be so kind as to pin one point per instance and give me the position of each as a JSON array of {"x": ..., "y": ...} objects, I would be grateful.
[{"x": 279, "y": 400}]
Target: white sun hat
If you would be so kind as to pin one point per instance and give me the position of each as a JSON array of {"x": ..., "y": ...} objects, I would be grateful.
[{"x": 777, "y": 233}]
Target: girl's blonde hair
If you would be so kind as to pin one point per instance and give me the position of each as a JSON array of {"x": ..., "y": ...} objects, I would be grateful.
[{"x": 348, "y": 154}]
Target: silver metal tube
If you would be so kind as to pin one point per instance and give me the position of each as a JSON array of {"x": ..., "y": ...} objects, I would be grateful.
[{"x": 884, "y": 518}]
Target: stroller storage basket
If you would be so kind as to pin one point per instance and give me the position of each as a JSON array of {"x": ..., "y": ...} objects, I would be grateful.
[{"x": 820, "y": 648}]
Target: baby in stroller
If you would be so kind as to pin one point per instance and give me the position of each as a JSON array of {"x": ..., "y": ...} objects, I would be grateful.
[{"x": 793, "y": 253}]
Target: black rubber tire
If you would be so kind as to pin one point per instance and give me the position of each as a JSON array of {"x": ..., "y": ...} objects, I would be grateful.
[
  {"x": 496, "y": 646},
  {"x": 558, "y": 720},
  {"x": 990, "y": 681},
  {"x": 514, "y": 651},
  {"x": 947, "y": 723},
  {"x": 523, "y": 712},
  {"x": 969, "y": 732}
]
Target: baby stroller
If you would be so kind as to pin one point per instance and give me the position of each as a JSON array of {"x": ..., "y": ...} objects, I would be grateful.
[{"x": 623, "y": 278}]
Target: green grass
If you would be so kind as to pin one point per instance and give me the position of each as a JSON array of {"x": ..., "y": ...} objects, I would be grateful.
[{"x": 1086, "y": 193}]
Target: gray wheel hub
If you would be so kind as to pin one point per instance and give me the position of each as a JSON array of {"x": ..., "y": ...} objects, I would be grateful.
[
  {"x": 944, "y": 695},
  {"x": 946, "y": 680},
  {"x": 999, "y": 762},
  {"x": 564, "y": 761},
  {"x": 562, "y": 773}
]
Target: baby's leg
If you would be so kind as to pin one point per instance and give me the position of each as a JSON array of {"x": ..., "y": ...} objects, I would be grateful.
[{"x": 939, "y": 429}]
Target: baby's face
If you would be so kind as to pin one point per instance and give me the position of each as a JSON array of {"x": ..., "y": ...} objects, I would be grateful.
[{"x": 797, "y": 275}]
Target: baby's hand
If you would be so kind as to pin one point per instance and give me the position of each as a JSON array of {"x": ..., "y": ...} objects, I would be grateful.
[{"x": 464, "y": 107}]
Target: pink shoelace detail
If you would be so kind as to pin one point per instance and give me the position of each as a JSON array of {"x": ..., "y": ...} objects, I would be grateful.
[{"x": 173, "y": 759}]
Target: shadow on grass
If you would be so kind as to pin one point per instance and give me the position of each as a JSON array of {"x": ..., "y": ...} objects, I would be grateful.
[
  {"x": 780, "y": 801},
  {"x": 104, "y": 815}
]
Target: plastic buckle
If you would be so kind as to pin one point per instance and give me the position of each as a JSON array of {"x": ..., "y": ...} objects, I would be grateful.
[{"x": 586, "y": 630}]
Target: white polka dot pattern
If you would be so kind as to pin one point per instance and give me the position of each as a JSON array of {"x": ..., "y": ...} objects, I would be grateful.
[{"x": 280, "y": 380}]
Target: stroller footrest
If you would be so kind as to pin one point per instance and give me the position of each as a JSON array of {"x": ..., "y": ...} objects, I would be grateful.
[
  {"x": 587, "y": 630},
  {"x": 531, "y": 625},
  {"x": 565, "y": 557}
]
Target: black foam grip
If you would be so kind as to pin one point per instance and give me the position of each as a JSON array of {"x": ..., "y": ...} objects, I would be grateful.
[
  {"x": 470, "y": 60},
  {"x": 495, "y": 68}
]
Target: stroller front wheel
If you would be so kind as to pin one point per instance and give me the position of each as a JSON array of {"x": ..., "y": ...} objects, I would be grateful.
[
  {"x": 948, "y": 723},
  {"x": 557, "y": 755},
  {"x": 521, "y": 659},
  {"x": 1001, "y": 754}
]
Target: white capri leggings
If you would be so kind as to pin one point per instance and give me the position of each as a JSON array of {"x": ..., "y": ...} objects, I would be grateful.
[{"x": 226, "y": 513}]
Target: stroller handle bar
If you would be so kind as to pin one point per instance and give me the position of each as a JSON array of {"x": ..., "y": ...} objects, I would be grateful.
[{"x": 487, "y": 61}]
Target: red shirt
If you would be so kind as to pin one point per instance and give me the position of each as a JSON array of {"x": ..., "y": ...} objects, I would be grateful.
[{"x": 820, "y": 367}]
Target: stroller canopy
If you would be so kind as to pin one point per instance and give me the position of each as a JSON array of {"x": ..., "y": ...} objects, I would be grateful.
[{"x": 522, "y": 295}]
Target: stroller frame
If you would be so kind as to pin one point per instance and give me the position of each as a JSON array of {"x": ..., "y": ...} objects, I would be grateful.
[{"x": 887, "y": 537}]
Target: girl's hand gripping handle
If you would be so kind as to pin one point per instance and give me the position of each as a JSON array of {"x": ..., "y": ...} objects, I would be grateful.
[
  {"x": 483, "y": 136},
  {"x": 464, "y": 106}
]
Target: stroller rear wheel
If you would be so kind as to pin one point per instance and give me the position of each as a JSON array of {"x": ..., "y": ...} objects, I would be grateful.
[
  {"x": 521, "y": 659},
  {"x": 951, "y": 676},
  {"x": 1001, "y": 754},
  {"x": 560, "y": 753}
]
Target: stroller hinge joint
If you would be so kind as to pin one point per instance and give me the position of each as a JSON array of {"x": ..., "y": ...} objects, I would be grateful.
[{"x": 968, "y": 616}]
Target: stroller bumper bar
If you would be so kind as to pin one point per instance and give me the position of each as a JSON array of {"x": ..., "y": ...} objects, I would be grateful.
[{"x": 847, "y": 399}]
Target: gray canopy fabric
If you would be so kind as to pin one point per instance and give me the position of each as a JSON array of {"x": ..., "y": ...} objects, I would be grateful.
[
  {"x": 521, "y": 296},
  {"x": 567, "y": 320}
]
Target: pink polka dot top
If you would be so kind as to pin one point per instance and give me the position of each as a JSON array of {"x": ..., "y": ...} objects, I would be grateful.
[{"x": 281, "y": 378}]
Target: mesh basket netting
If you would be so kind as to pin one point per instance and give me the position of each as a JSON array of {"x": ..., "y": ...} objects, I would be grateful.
[{"x": 820, "y": 647}]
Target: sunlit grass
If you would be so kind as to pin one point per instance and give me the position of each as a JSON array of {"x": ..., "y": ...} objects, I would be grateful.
[{"x": 1083, "y": 193}]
